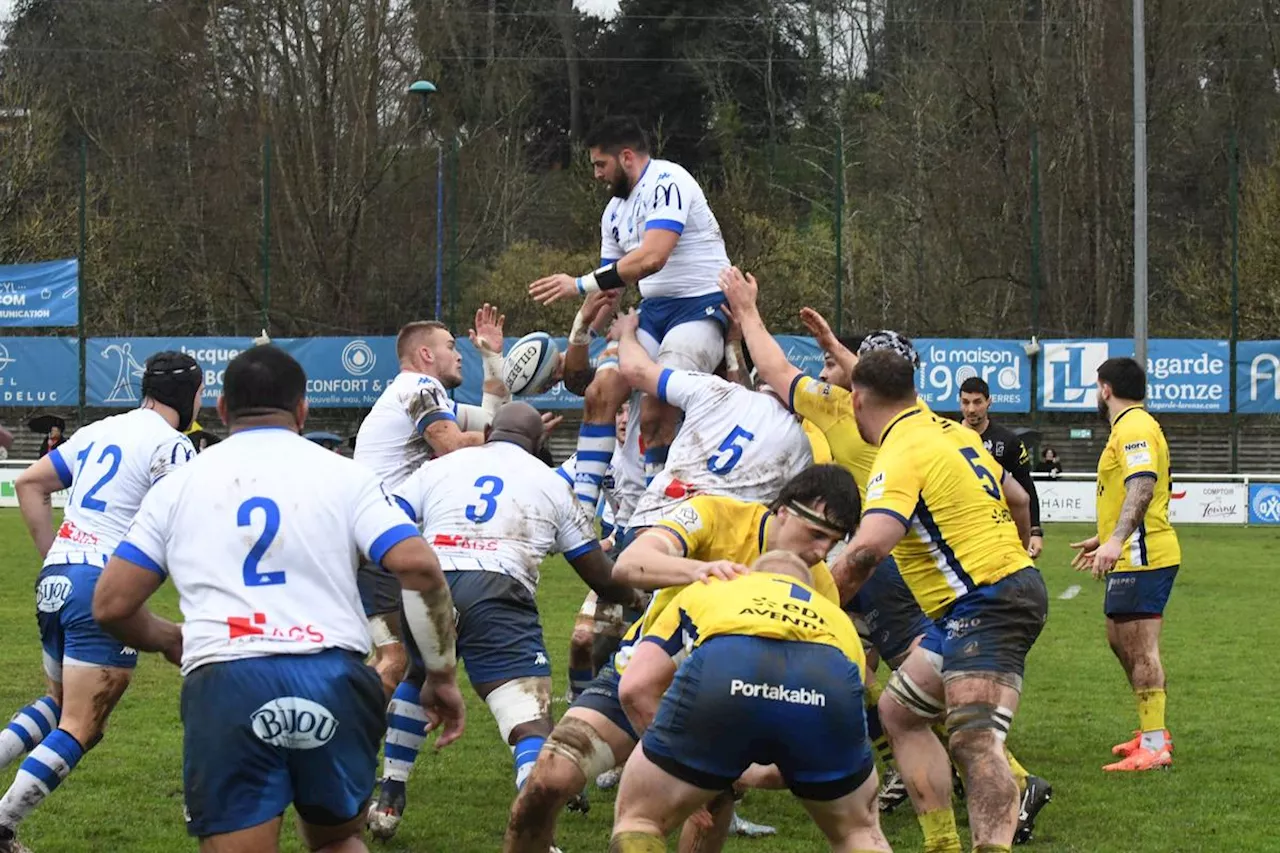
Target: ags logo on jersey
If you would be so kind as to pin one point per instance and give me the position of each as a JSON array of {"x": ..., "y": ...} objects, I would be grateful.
[{"x": 294, "y": 723}]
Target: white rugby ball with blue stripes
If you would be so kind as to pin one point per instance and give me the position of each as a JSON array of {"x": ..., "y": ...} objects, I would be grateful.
[{"x": 530, "y": 364}]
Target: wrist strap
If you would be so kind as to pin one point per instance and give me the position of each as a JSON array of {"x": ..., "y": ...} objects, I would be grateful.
[{"x": 605, "y": 278}]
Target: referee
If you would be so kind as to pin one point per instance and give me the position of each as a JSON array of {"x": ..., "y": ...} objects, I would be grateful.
[{"x": 1005, "y": 446}]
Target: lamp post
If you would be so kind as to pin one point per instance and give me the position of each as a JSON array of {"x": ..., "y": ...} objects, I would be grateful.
[{"x": 424, "y": 89}]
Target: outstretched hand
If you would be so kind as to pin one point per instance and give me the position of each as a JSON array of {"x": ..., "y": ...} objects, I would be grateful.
[{"x": 487, "y": 334}]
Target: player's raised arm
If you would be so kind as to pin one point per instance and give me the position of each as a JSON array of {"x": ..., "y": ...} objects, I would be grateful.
[
  {"x": 827, "y": 340},
  {"x": 486, "y": 337},
  {"x": 592, "y": 319},
  {"x": 34, "y": 488},
  {"x": 771, "y": 362}
]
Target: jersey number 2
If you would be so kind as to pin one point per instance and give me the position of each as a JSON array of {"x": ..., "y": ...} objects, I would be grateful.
[
  {"x": 483, "y": 510},
  {"x": 730, "y": 451},
  {"x": 270, "y": 527},
  {"x": 989, "y": 482}
]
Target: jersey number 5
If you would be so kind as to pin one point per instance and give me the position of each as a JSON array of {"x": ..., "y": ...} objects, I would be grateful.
[
  {"x": 989, "y": 483},
  {"x": 483, "y": 510},
  {"x": 270, "y": 527},
  {"x": 730, "y": 451}
]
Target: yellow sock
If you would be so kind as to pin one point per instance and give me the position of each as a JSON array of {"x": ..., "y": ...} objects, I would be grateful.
[
  {"x": 1020, "y": 773},
  {"x": 940, "y": 835},
  {"x": 992, "y": 848},
  {"x": 637, "y": 842},
  {"x": 1151, "y": 709}
]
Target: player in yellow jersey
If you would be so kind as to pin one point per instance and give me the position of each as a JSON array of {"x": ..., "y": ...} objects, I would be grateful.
[
  {"x": 770, "y": 653},
  {"x": 935, "y": 499},
  {"x": 708, "y": 536},
  {"x": 1136, "y": 550}
]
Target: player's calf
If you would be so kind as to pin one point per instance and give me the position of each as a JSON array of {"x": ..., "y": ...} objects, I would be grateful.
[
  {"x": 522, "y": 709},
  {"x": 977, "y": 732}
]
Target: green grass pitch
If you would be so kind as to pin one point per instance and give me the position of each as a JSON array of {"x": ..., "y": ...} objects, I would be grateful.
[{"x": 1220, "y": 636}]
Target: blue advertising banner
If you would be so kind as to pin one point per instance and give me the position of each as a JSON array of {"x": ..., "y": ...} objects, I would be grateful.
[
  {"x": 1264, "y": 503},
  {"x": 1258, "y": 377},
  {"x": 945, "y": 363},
  {"x": 1182, "y": 375},
  {"x": 341, "y": 372},
  {"x": 39, "y": 372},
  {"x": 40, "y": 295}
]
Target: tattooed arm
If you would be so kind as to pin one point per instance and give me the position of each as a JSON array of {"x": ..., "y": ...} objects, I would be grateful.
[
  {"x": 877, "y": 534},
  {"x": 1138, "y": 492}
]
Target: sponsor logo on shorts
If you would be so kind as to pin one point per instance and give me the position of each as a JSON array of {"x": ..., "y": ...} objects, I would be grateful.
[
  {"x": 957, "y": 628},
  {"x": 292, "y": 722},
  {"x": 53, "y": 592},
  {"x": 129, "y": 651},
  {"x": 1114, "y": 582},
  {"x": 778, "y": 693}
]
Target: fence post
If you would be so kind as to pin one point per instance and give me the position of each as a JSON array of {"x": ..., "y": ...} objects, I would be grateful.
[
  {"x": 80, "y": 284},
  {"x": 452, "y": 216},
  {"x": 1233, "y": 199},
  {"x": 839, "y": 227},
  {"x": 266, "y": 233},
  {"x": 1035, "y": 270}
]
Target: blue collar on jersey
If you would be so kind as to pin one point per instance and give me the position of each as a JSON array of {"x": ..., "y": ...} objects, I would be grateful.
[
  {"x": 902, "y": 416},
  {"x": 640, "y": 179},
  {"x": 764, "y": 524}
]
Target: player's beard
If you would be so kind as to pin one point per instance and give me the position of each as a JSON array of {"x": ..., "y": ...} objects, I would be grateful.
[
  {"x": 621, "y": 186},
  {"x": 1103, "y": 411}
]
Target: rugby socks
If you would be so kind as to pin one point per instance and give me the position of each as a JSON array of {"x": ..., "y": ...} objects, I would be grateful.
[
  {"x": 595, "y": 449},
  {"x": 406, "y": 732},
  {"x": 875, "y": 729},
  {"x": 29, "y": 726},
  {"x": 637, "y": 842},
  {"x": 526, "y": 754},
  {"x": 655, "y": 459},
  {"x": 579, "y": 680},
  {"x": 39, "y": 774},
  {"x": 1151, "y": 717},
  {"x": 1020, "y": 773},
  {"x": 940, "y": 833}
]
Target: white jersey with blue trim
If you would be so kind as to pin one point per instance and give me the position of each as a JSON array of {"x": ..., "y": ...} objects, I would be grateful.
[
  {"x": 110, "y": 465},
  {"x": 734, "y": 442},
  {"x": 667, "y": 197},
  {"x": 261, "y": 535},
  {"x": 496, "y": 508},
  {"x": 392, "y": 440}
]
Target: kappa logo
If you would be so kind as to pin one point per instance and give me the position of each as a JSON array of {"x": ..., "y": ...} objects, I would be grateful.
[
  {"x": 540, "y": 659},
  {"x": 292, "y": 722},
  {"x": 52, "y": 593}
]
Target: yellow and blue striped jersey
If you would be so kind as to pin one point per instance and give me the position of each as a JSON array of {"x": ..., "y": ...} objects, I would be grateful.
[
  {"x": 1137, "y": 448},
  {"x": 936, "y": 478},
  {"x": 758, "y": 605},
  {"x": 709, "y": 528}
]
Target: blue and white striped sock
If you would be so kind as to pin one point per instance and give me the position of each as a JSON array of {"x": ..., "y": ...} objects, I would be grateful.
[
  {"x": 29, "y": 726},
  {"x": 655, "y": 459},
  {"x": 595, "y": 450},
  {"x": 406, "y": 732},
  {"x": 39, "y": 774},
  {"x": 526, "y": 754}
]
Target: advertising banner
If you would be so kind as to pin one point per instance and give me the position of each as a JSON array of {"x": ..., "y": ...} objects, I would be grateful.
[
  {"x": 39, "y": 372},
  {"x": 1182, "y": 375},
  {"x": 1208, "y": 503},
  {"x": 1264, "y": 503},
  {"x": 1258, "y": 377},
  {"x": 40, "y": 295}
]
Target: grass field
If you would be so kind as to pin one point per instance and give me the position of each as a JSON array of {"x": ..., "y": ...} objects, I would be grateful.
[{"x": 127, "y": 794}]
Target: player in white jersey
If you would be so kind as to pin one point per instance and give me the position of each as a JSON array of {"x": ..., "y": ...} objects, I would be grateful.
[
  {"x": 261, "y": 536},
  {"x": 493, "y": 514},
  {"x": 109, "y": 466},
  {"x": 734, "y": 442},
  {"x": 659, "y": 232},
  {"x": 413, "y": 421}
]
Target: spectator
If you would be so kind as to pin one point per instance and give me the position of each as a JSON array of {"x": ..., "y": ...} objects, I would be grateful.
[
  {"x": 1049, "y": 463},
  {"x": 52, "y": 440}
]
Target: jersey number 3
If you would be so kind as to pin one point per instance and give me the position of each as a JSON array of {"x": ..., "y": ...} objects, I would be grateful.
[
  {"x": 483, "y": 510},
  {"x": 729, "y": 453},
  {"x": 270, "y": 527},
  {"x": 989, "y": 482}
]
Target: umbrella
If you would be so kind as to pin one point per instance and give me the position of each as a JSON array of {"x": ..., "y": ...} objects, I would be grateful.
[
  {"x": 324, "y": 439},
  {"x": 41, "y": 424}
]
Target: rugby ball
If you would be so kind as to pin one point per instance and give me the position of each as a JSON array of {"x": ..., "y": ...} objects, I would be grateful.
[{"x": 530, "y": 364}]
